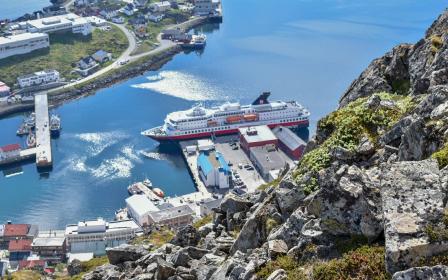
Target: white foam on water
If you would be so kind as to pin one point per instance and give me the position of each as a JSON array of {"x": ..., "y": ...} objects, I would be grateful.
[
  {"x": 97, "y": 142},
  {"x": 118, "y": 167},
  {"x": 182, "y": 85},
  {"x": 131, "y": 153},
  {"x": 153, "y": 155}
]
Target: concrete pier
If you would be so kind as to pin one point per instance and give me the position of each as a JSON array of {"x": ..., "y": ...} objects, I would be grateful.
[{"x": 43, "y": 141}]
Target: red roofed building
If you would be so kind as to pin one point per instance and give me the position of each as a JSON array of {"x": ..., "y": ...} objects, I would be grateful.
[
  {"x": 17, "y": 231},
  {"x": 19, "y": 249},
  {"x": 4, "y": 89},
  {"x": 32, "y": 264},
  {"x": 11, "y": 150}
]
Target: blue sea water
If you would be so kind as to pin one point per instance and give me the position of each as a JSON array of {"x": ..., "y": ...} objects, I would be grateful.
[
  {"x": 305, "y": 50},
  {"x": 11, "y": 9}
]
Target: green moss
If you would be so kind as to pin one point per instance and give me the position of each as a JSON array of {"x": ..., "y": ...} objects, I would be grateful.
[
  {"x": 292, "y": 268},
  {"x": 436, "y": 41},
  {"x": 434, "y": 260},
  {"x": 156, "y": 238},
  {"x": 94, "y": 263},
  {"x": 203, "y": 221},
  {"x": 366, "y": 262},
  {"x": 333, "y": 225},
  {"x": 441, "y": 156},
  {"x": 401, "y": 86},
  {"x": 439, "y": 232},
  {"x": 346, "y": 127},
  {"x": 270, "y": 224},
  {"x": 273, "y": 183},
  {"x": 345, "y": 245}
]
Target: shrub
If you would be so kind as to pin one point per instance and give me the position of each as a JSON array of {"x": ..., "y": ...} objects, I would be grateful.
[
  {"x": 270, "y": 224},
  {"x": 441, "y": 156},
  {"x": 436, "y": 41},
  {"x": 363, "y": 263},
  {"x": 203, "y": 221},
  {"x": 292, "y": 268}
]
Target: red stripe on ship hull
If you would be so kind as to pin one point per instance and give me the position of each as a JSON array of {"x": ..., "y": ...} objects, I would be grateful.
[{"x": 220, "y": 132}]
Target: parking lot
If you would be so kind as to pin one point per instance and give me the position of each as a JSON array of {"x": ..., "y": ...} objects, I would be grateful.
[{"x": 241, "y": 165}]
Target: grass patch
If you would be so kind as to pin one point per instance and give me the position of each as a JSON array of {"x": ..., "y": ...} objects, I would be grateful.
[
  {"x": 143, "y": 48},
  {"x": 292, "y": 268},
  {"x": 441, "y": 156},
  {"x": 346, "y": 127},
  {"x": 366, "y": 262},
  {"x": 156, "y": 238},
  {"x": 65, "y": 49},
  {"x": 203, "y": 221},
  {"x": 25, "y": 275},
  {"x": 270, "y": 224},
  {"x": 438, "y": 232},
  {"x": 273, "y": 183}
]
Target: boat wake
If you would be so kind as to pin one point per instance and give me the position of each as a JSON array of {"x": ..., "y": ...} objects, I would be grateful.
[{"x": 182, "y": 85}]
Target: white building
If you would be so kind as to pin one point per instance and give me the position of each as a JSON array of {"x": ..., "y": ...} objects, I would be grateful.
[
  {"x": 39, "y": 78},
  {"x": 95, "y": 236},
  {"x": 109, "y": 13},
  {"x": 155, "y": 17},
  {"x": 4, "y": 89},
  {"x": 207, "y": 205},
  {"x": 139, "y": 207},
  {"x": 68, "y": 22},
  {"x": 173, "y": 217},
  {"x": 160, "y": 7},
  {"x": 206, "y": 7},
  {"x": 214, "y": 170},
  {"x": 22, "y": 43}
]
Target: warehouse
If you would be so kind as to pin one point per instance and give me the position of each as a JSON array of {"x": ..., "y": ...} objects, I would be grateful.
[
  {"x": 139, "y": 207},
  {"x": 289, "y": 142},
  {"x": 256, "y": 136},
  {"x": 267, "y": 161},
  {"x": 22, "y": 43}
]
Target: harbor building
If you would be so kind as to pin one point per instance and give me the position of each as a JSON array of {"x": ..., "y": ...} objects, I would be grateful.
[
  {"x": 50, "y": 246},
  {"x": 22, "y": 43},
  {"x": 173, "y": 217},
  {"x": 60, "y": 23},
  {"x": 256, "y": 136},
  {"x": 4, "y": 89},
  {"x": 289, "y": 142},
  {"x": 268, "y": 161},
  {"x": 10, "y": 151},
  {"x": 213, "y": 169},
  {"x": 206, "y": 7},
  {"x": 17, "y": 231},
  {"x": 97, "y": 235},
  {"x": 19, "y": 249},
  {"x": 39, "y": 78},
  {"x": 160, "y": 7},
  {"x": 139, "y": 207}
]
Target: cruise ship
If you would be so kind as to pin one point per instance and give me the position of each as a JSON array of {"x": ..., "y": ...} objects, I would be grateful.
[{"x": 200, "y": 122}]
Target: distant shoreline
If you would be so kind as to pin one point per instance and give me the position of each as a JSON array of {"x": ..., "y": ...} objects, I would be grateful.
[{"x": 45, "y": 3}]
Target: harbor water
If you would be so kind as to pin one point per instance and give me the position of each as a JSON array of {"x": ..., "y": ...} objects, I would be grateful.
[
  {"x": 309, "y": 51},
  {"x": 14, "y": 9}
]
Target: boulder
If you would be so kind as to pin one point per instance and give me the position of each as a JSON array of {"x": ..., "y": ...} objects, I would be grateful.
[
  {"x": 186, "y": 236},
  {"x": 279, "y": 274},
  {"x": 288, "y": 199},
  {"x": 125, "y": 252},
  {"x": 438, "y": 272},
  {"x": 107, "y": 271},
  {"x": 232, "y": 204},
  {"x": 74, "y": 268},
  {"x": 277, "y": 248},
  {"x": 289, "y": 231},
  {"x": 412, "y": 199}
]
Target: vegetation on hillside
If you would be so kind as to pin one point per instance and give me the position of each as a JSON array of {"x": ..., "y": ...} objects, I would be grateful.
[
  {"x": 65, "y": 50},
  {"x": 203, "y": 221},
  {"x": 347, "y": 126},
  {"x": 156, "y": 238},
  {"x": 441, "y": 156}
]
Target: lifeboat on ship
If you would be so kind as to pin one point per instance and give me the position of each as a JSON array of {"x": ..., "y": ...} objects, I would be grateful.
[
  {"x": 212, "y": 123},
  {"x": 250, "y": 117},
  {"x": 158, "y": 192},
  {"x": 233, "y": 119}
]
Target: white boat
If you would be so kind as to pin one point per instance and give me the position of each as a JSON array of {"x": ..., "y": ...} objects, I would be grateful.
[
  {"x": 200, "y": 122},
  {"x": 196, "y": 42}
]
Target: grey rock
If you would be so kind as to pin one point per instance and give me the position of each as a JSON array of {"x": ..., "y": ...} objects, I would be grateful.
[
  {"x": 412, "y": 199},
  {"x": 74, "y": 268},
  {"x": 125, "y": 252},
  {"x": 290, "y": 230},
  {"x": 438, "y": 272},
  {"x": 107, "y": 271},
  {"x": 365, "y": 147},
  {"x": 279, "y": 274},
  {"x": 277, "y": 248},
  {"x": 288, "y": 199},
  {"x": 232, "y": 204},
  {"x": 186, "y": 236}
]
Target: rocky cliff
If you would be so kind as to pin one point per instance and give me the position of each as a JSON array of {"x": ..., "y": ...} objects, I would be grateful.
[{"x": 367, "y": 201}]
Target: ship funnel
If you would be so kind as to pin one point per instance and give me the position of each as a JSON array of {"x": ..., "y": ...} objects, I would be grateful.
[{"x": 262, "y": 99}]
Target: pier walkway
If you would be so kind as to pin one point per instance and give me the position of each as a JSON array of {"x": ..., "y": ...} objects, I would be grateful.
[{"x": 43, "y": 140}]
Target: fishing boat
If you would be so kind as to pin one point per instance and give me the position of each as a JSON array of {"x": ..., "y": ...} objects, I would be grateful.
[
  {"x": 158, "y": 192},
  {"x": 55, "y": 125},
  {"x": 23, "y": 130},
  {"x": 31, "y": 140},
  {"x": 30, "y": 122}
]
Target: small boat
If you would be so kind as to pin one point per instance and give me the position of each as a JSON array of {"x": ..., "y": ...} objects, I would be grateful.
[
  {"x": 134, "y": 189},
  {"x": 55, "y": 125},
  {"x": 158, "y": 192},
  {"x": 196, "y": 42},
  {"x": 31, "y": 140},
  {"x": 147, "y": 183},
  {"x": 23, "y": 130},
  {"x": 30, "y": 122}
]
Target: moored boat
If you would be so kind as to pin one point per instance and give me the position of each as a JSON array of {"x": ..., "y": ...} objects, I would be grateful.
[
  {"x": 31, "y": 140},
  {"x": 23, "y": 130},
  {"x": 196, "y": 42},
  {"x": 55, "y": 125}
]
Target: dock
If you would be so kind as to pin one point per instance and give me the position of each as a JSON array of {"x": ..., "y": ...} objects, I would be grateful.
[
  {"x": 43, "y": 140},
  {"x": 191, "y": 161}
]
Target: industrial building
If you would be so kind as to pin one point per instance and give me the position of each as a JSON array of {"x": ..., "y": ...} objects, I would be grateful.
[
  {"x": 256, "y": 136},
  {"x": 22, "y": 43},
  {"x": 206, "y": 7},
  {"x": 289, "y": 142},
  {"x": 97, "y": 235},
  {"x": 4, "y": 89},
  {"x": 50, "y": 246},
  {"x": 139, "y": 207},
  {"x": 213, "y": 169},
  {"x": 172, "y": 217},
  {"x": 39, "y": 78},
  {"x": 61, "y": 23},
  {"x": 267, "y": 161},
  {"x": 10, "y": 151}
]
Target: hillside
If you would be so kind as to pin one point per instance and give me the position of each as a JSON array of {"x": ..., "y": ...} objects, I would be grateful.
[{"x": 367, "y": 201}]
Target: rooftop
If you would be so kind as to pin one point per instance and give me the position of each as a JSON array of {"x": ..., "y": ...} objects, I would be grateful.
[
  {"x": 48, "y": 242},
  {"x": 110, "y": 227},
  {"x": 69, "y": 18},
  {"x": 212, "y": 160},
  {"x": 211, "y": 202},
  {"x": 255, "y": 134},
  {"x": 171, "y": 213},
  {"x": 20, "y": 245},
  {"x": 21, "y": 37},
  {"x": 269, "y": 158},
  {"x": 10, "y": 148},
  {"x": 31, "y": 264},
  {"x": 2, "y": 229},
  {"x": 12, "y": 230},
  {"x": 288, "y": 137},
  {"x": 141, "y": 204}
]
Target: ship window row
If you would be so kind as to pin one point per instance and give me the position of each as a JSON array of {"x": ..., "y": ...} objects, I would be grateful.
[{"x": 203, "y": 130}]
